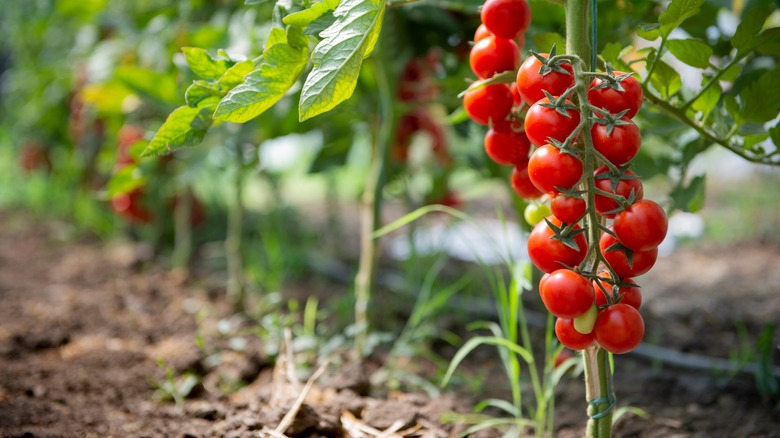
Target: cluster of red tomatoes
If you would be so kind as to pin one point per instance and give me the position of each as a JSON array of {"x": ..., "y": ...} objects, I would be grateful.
[{"x": 539, "y": 111}]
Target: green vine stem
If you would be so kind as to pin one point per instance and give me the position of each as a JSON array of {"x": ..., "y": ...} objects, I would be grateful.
[
  {"x": 371, "y": 203},
  {"x": 235, "y": 224},
  {"x": 598, "y": 390}
]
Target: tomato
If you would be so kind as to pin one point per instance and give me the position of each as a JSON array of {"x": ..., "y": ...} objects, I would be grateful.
[
  {"x": 615, "y": 101},
  {"x": 542, "y": 123},
  {"x": 549, "y": 254},
  {"x": 129, "y": 206},
  {"x": 619, "y": 328},
  {"x": 567, "y": 294},
  {"x": 630, "y": 295},
  {"x": 531, "y": 83},
  {"x": 522, "y": 185},
  {"x": 570, "y": 337},
  {"x": 493, "y": 55},
  {"x": 34, "y": 156},
  {"x": 507, "y": 148},
  {"x": 604, "y": 204},
  {"x": 642, "y": 261},
  {"x": 563, "y": 356},
  {"x": 489, "y": 102},
  {"x": 619, "y": 146},
  {"x": 568, "y": 209},
  {"x": 516, "y": 99},
  {"x": 550, "y": 168},
  {"x": 506, "y": 18},
  {"x": 481, "y": 32},
  {"x": 535, "y": 213},
  {"x": 642, "y": 226},
  {"x": 126, "y": 137}
]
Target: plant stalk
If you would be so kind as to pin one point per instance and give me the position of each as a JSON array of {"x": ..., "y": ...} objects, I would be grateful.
[
  {"x": 598, "y": 389},
  {"x": 235, "y": 225},
  {"x": 371, "y": 204}
]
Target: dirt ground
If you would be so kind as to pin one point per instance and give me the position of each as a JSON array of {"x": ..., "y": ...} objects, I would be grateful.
[{"x": 88, "y": 330}]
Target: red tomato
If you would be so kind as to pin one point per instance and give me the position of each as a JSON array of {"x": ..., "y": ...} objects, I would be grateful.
[
  {"x": 567, "y": 294},
  {"x": 481, "y": 32},
  {"x": 563, "y": 356},
  {"x": 506, "y": 18},
  {"x": 491, "y": 102},
  {"x": 507, "y": 148},
  {"x": 568, "y": 209},
  {"x": 493, "y": 55},
  {"x": 522, "y": 184},
  {"x": 570, "y": 337},
  {"x": 604, "y": 204},
  {"x": 641, "y": 261},
  {"x": 531, "y": 83},
  {"x": 542, "y": 123},
  {"x": 549, "y": 168},
  {"x": 642, "y": 226},
  {"x": 34, "y": 156},
  {"x": 615, "y": 101},
  {"x": 619, "y": 146},
  {"x": 516, "y": 99},
  {"x": 619, "y": 328},
  {"x": 630, "y": 295},
  {"x": 549, "y": 254},
  {"x": 130, "y": 206}
]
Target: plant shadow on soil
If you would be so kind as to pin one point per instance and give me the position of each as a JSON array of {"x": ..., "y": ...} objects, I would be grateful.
[{"x": 83, "y": 327}]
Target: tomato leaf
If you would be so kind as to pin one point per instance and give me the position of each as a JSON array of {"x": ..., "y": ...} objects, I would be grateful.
[
  {"x": 708, "y": 100},
  {"x": 774, "y": 135},
  {"x": 744, "y": 39},
  {"x": 203, "y": 65},
  {"x": 338, "y": 57},
  {"x": 185, "y": 126},
  {"x": 545, "y": 40},
  {"x": 689, "y": 197},
  {"x": 666, "y": 80},
  {"x": 674, "y": 15},
  {"x": 284, "y": 59},
  {"x": 613, "y": 54},
  {"x": 760, "y": 100},
  {"x": 305, "y": 17},
  {"x": 692, "y": 52},
  {"x": 158, "y": 86}
]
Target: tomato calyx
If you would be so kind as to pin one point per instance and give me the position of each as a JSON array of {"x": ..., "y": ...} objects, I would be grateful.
[
  {"x": 560, "y": 104},
  {"x": 609, "y": 120},
  {"x": 617, "y": 246},
  {"x": 565, "y": 234},
  {"x": 614, "y": 178},
  {"x": 614, "y": 295},
  {"x": 610, "y": 80},
  {"x": 550, "y": 63}
]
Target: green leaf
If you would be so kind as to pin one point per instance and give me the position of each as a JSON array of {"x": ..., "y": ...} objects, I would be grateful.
[
  {"x": 475, "y": 342},
  {"x": 125, "y": 180},
  {"x": 774, "y": 134},
  {"x": 677, "y": 12},
  {"x": 203, "y": 65},
  {"x": 305, "y": 17},
  {"x": 708, "y": 100},
  {"x": 691, "y": 197},
  {"x": 744, "y": 39},
  {"x": 235, "y": 74},
  {"x": 769, "y": 42},
  {"x": 692, "y": 52},
  {"x": 160, "y": 86},
  {"x": 613, "y": 55},
  {"x": 732, "y": 107},
  {"x": 283, "y": 62},
  {"x": 185, "y": 126},
  {"x": 545, "y": 40},
  {"x": 317, "y": 26},
  {"x": 108, "y": 98},
  {"x": 732, "y": 73},
  {"x": 760, "y": 100},
  {"x": 338, "y": 57},
  {"x": 666, "y": 80}
]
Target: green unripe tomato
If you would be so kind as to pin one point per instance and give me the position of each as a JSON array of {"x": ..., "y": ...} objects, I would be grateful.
[
  {"x": 536, "y": 212},
  {"x": 585, "y": 322}
]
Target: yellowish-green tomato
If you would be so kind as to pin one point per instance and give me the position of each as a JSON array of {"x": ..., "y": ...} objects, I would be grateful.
[
  {"x": 585, "y": 322},
  {"x": 535, "y": 212}
]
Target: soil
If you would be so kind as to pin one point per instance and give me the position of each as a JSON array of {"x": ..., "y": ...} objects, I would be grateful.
[{"x": 91, "y": 331}]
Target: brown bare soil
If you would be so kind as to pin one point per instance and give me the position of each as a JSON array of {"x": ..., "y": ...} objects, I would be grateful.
[{"x": 88, "y": 330}]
